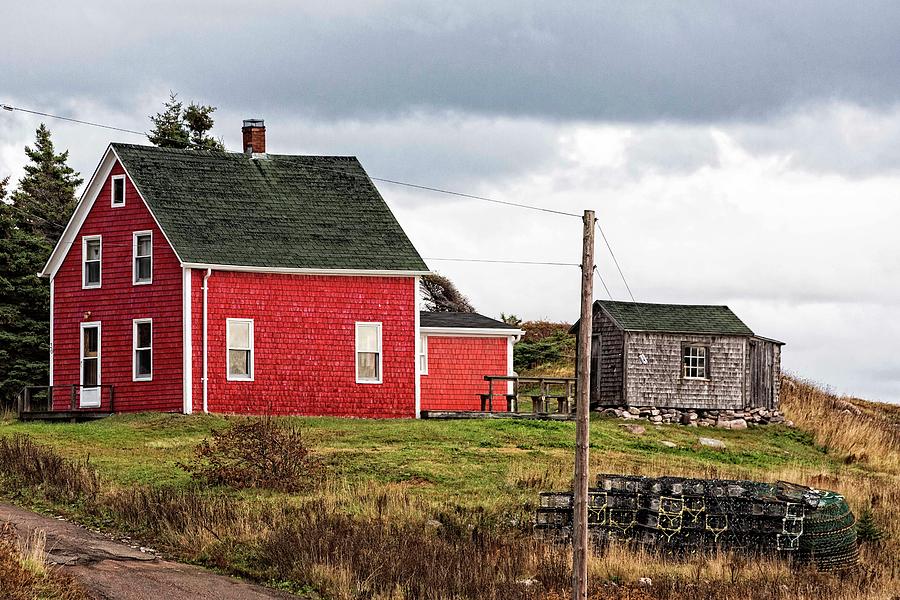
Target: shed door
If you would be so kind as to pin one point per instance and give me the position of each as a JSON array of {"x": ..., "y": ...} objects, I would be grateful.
[{"x": 762, "y": 374}]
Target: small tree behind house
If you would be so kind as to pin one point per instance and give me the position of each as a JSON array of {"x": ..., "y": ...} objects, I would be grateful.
[
  {"x": 177, "y": 126},
  {"x": 439, "y": 294}
]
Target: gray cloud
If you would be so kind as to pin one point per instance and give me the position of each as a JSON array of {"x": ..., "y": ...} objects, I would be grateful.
[{"x": 693, "y": 61}]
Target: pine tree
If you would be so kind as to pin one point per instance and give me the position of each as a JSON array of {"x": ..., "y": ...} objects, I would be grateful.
[
  {"x": 867, "y": 528},
  {"x": 24, "y": 302},
  {"x": 180, "y": 127},
  {"x": 45, "y": 198}
]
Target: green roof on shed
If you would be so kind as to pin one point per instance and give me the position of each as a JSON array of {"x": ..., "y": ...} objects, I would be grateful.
[
  {"x": 677, "y": 318},
  {"x": 309, "y": 212}
]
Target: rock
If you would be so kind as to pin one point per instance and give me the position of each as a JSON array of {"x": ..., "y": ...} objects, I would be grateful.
[
  {"x": 655, "y": 412},
  {"x": 635, "y": 429},
  {"x": 669, "y": 444},
  {"x": 634, "y": 410},
  {"x": 628, "y": 415},
  {"x": 645, "y": 581},
  {"x": 656, "y": 419},
  {"x": 433, "y": 524},
  {"x": 712, "y": 443},
  {"x": 611, "y": 412},
  {"x": 738, "y": 424}
]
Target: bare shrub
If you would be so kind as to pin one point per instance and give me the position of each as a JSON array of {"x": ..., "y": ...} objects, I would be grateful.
[
  {"x": 25, "y": 463},
  {"x": 256, "y": 453}
]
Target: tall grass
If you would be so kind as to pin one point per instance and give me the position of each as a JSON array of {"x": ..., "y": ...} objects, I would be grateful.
[
  {"x": 849, "y": 426},
  {"x": 25, "y": 576}
]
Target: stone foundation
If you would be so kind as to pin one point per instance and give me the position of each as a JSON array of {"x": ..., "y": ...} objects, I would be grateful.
[{"x": 726, "y": 419}]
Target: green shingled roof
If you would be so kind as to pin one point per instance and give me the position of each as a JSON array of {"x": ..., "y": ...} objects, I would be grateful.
[
  {"x": 676, "y": 318},
  {"x": 311, "y": 212}
]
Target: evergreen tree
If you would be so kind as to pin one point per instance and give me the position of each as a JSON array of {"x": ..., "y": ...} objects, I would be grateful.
[
  {"x": 24, "y": 300},
  {"x": 180, "y": 127},
  {"x": 45, "y": 198}
]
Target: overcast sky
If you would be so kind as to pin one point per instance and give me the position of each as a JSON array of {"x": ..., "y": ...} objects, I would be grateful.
[{"x": 739, "y": 153}]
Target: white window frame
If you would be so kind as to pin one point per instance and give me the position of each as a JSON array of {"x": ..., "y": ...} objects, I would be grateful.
[
  {"x": 228, "y": 349},
  {"x": 135, "y": 348},
  {"x": 687, "y": 351},
  {"x": 377, "y": 325},
  {"x": 134, "y": 257},
  {"x": 112, "y": 191},
  {"x": 84, "y": 243},
  {"x": 423, "y": 354}
]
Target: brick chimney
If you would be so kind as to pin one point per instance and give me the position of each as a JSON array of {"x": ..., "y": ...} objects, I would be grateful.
[{"x": 254, "y": 133}]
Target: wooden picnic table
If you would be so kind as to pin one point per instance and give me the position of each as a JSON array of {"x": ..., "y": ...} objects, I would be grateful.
[{"x": 549, "y": 389}]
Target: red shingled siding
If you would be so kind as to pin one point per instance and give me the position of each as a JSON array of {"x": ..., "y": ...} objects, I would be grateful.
[
  {"x": 305, "y": 343},
  {"x": 456, "y": 370},
  {"x": 116, "y": 303}
]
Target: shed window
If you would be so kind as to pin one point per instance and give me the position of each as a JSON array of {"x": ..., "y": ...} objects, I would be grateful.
[
  {"x": 118, "y": 190},
  {"x": 143, "y": 349},
  {"x": 91, "y": 253},
  {"x": 142, "y": 249},
  {"x": 240, "y": 349},
  {"x": 368, "y": 353},
  {"x": 694, "y": 364}
]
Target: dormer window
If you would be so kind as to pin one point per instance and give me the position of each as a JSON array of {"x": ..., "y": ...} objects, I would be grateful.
[{"x": 118, "y": 190}]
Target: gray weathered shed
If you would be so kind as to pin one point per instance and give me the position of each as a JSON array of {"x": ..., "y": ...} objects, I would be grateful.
[{"x": 680, "y": 356}]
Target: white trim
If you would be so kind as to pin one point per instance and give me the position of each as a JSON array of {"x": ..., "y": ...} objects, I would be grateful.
[
  {"x": 134, "y": 350},
  {"x": 378, "y": 329},
  {"x": 134, "y": 256},
  {"x": 205, "y": 342},
  {"x": 52, "y": 306},
  {"x": 418, "y": 333},
  {"x": 187, "y": 349},
  {"x": 82, "y": 327},
  {"x": 471, "y": 332},
  {"x": 305, "y": 271},
  {"x": 510, "y": 371},
  {"x": 112, "y": 191},
  {"x": 228, "y": 348},
  {"x": 84, "y": 242},
  {"x": 423, "y": 353},
  {"x": 83, "y": 209}
]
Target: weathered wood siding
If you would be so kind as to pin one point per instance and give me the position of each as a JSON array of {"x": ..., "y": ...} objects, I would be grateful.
[
  {"x": 607, "y": 385},
  {"x": 763, "y": 373},
  {"x": 659, "y": 382}
]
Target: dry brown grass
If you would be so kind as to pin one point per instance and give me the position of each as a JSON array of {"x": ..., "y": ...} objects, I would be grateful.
[{"x": 24, "y": 574}]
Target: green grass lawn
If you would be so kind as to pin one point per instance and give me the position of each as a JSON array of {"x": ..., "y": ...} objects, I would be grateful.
[{"x": 486, "y": 463}]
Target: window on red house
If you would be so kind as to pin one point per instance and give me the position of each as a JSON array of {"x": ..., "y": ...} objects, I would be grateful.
[
  {"x": 368, "y": 352},
  {"x": 240, "y": 349},
  {"x": 143, "y": 349},
  {"x": 143, "y": 257}
]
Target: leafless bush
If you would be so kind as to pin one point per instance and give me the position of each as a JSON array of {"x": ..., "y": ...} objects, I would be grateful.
[
  {"x": 256, "y": 453},
  {"x": 25, "y": 463}
]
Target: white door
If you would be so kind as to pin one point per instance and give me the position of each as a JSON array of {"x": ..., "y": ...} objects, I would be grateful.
[{"x": 90, "y": 366}]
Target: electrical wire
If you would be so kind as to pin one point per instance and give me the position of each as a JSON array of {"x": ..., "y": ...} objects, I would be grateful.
[
  {"x": 417, "y": 186},
  {"x": 600, "y": 277},
  {"x": 615, "y": 261},
  {"x": 506, "y": 262}
]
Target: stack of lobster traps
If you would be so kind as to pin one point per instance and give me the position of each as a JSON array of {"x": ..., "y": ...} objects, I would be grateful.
[{"x": 688, "y": 515}]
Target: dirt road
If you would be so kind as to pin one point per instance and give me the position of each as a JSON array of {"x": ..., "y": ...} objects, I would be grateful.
[{"x": 116, "y": 571}]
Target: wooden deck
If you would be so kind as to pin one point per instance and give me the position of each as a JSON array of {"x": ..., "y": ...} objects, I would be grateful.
[
  {"x": 63, "y": 415},
  {"x": 479, "y": 414}
]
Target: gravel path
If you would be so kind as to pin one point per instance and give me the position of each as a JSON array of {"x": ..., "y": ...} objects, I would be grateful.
[{"x": 116, "y": 571}]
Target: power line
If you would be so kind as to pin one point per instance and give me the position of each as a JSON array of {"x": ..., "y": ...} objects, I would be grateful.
[
  {"x": 615, "y": 261},
  {"x": 506, "y": 262},
  {"x": 437, "y": 190},
  {"x": 600, "y": 277}
]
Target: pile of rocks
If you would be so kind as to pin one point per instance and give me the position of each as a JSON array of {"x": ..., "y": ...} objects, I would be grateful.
[{"x": 726, "y": 419}]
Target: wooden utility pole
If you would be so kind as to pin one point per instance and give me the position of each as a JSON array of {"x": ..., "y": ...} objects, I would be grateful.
[{"x": 582, "y": 414}]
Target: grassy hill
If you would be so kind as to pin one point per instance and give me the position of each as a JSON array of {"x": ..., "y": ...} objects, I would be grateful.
[{"x": 446, "y": 505}]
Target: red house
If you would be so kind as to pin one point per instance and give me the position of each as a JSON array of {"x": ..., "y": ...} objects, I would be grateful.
[{"x": 252, "y": 283}]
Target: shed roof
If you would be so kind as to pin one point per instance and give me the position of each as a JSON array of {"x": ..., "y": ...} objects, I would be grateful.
[
  {"x": 461, "y": 319},
  {"x": 282, "y": 211},
  {"x": 673, "y": 318}
]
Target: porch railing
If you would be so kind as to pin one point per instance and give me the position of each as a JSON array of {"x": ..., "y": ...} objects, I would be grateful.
[{"x": 55, "y": 398}]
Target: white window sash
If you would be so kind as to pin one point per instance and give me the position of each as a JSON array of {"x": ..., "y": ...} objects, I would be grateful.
[
  {"x": 84, "y": 262},
  {"x": 135, "y": 348},
  {"x": 423, "y": 354},
  {"x": 135, "y": 256},
  {"x": 112, "y": 191},
  {"x": 378, "y": 352},
  {"x": 251, "y": 348}
]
